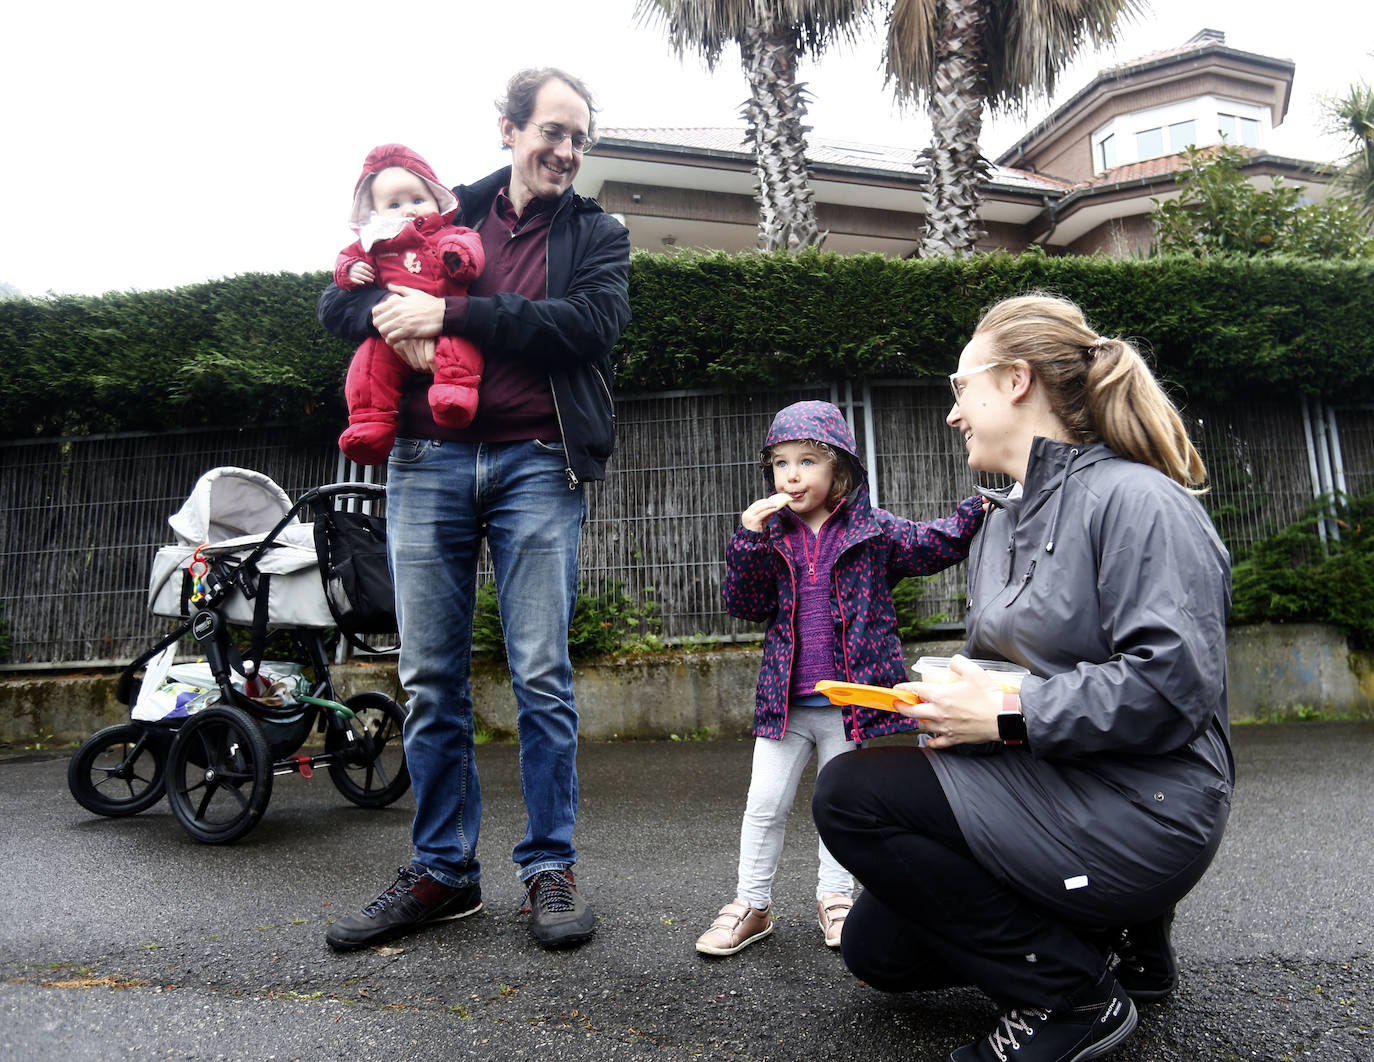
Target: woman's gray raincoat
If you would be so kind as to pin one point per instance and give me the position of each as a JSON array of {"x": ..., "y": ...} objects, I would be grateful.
[{"x": 1108, "y": 582}]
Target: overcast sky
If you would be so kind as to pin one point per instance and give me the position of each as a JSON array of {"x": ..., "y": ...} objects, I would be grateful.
[{"x": 153, "y": 144}]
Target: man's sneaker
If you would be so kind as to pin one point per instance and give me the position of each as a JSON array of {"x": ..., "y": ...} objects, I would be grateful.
[
  {"x": 1071, "y": 1033},
  {"x": 736, "y": 927},
  {"x": 1148, "y": 969},
  {"x": 559, "y": 915},
  {"x": 414, "y": 899}
]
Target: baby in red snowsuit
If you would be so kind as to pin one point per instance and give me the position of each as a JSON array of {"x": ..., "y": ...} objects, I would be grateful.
[{"x": 404, "y": 216}]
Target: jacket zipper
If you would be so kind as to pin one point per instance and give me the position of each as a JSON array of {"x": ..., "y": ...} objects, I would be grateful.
[
  {"x": 844, "y": 652},
  {"x": 792, "y": 647},
  {"x": 553, "y": 393},
  {"x": 1025, "y": 582},
  {"x": 806, "y": 551}
]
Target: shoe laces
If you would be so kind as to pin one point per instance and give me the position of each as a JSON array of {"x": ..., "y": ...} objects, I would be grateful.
[
  {"x": 553, "y": 891},
  {"x": 406, "y": 877},
  {"x": 1128, "y": 951},
  {"x": 1012, "y": 1022}
]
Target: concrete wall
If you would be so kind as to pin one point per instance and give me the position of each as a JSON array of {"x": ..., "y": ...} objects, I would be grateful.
[{"x": 1276, "y": 672}]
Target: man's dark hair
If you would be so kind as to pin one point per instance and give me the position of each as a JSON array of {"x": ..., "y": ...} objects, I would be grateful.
[{"x": 518, "y": 104}]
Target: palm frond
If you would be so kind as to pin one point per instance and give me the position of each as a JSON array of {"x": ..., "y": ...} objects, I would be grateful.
[{"x": 709, "y": 26}]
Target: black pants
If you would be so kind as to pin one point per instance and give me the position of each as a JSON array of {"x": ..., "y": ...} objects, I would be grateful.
[{"x": 930, "y": 916}]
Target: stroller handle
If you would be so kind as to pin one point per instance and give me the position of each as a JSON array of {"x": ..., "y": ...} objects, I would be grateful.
[{"x": 330, "y": 491}]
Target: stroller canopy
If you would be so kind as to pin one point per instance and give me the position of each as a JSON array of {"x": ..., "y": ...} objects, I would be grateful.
[
  {"x": 229, "y": 512},
  {"x": 229, "y": 503}
]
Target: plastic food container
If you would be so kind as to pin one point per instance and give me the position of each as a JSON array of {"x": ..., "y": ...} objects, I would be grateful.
[{"x": 936, "y": 669}]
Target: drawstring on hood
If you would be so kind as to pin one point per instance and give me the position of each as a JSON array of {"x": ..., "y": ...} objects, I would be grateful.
[
  {"x": 382, "y": 157},
  {"x": 1059, "y": 499}
]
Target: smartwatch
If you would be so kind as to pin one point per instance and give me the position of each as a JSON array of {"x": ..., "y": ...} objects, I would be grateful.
[{"x": 1011, "y": 724}]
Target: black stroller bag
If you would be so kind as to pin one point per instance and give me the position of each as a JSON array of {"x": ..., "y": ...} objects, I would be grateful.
[{"x": 357, "y": 582}]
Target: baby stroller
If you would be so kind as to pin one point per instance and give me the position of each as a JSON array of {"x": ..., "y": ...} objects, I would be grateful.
[{"x": 212, "y": 736}]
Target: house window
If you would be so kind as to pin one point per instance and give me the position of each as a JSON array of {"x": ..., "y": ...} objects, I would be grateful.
[
  {"x": 1149, "y": 143},
  {"x": 1182, "y": 135},
  {"x": 1106, "y": 152},
  {"x": 1238, "y": 129}
]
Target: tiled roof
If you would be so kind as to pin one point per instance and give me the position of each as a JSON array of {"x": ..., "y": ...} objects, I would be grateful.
[
  {"x": 821, "y": 151},
  {"x": 1205, "y": 39},
  {"x": 1157, "y": 167}
]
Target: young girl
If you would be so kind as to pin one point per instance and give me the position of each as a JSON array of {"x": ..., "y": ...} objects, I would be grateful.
[{"x": 817, "y": 562}]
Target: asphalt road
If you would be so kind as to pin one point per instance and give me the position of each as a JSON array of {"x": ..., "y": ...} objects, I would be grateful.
[{"x": 124, "y": 938}]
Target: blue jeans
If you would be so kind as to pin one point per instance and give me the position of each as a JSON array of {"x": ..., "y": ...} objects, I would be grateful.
[{"x": 442, "y": 498}]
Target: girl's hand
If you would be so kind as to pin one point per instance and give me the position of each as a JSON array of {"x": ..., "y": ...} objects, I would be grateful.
[
  {"x": 361, "y": 274},
  {"x": 753, "y": 517},
  {"x": 961, "y": 712}
]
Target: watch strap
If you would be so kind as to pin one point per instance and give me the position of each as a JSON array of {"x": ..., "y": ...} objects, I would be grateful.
[{"x": 1011, "y": 724}]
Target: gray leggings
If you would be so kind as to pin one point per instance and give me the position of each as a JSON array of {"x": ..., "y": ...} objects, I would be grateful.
[{"x": 772, "y": 788}]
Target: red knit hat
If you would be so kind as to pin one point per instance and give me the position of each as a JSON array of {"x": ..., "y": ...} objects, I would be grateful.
[{"x": 383, "y": 157}]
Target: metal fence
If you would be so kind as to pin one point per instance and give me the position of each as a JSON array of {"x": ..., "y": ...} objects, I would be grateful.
[{"x": 81, "y": 518}]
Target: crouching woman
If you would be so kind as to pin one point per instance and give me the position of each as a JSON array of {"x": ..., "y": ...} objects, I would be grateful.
[{"x": 1038, "y": 834}]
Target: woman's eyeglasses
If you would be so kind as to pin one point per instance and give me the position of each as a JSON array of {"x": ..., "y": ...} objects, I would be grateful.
[{"x": 955, "y": 377}]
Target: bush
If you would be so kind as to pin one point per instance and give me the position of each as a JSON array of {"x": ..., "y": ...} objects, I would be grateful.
[
  {"x": 1218, "y": 211},
  {"x": 1296, "y": 577},
  {"x": 913, "y": 622},
  {"x": 603, "y": 624},
  {"x": 248, "y": 350}
]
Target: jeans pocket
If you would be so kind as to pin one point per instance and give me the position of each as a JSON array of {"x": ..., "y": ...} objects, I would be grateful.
[
  {"x": 556, "y": 447},
  {"x": 409, "y": 451}
]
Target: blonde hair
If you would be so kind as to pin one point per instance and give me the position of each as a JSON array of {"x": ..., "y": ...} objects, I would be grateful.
[{"x": 1099, "y": 388}]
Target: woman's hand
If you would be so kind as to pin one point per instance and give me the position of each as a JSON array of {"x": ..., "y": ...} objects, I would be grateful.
[
  {"x": 408, "y": 313},
  {"x": 961, "y": 712}
]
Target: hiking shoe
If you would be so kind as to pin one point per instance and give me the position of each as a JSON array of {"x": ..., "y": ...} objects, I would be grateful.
[
  {"x": 1148, "y": 968},
  {"x": 831, "y": 911},
  {"x": 1071, "y": 1033},
  {"x": 414, "y": 899},
  {"x": 559, "y": 915},
  {"x": 736, "y": 927}
]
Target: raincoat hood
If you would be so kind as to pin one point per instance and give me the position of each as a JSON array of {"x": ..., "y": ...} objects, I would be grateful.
[
  {"x": 384, "y": 157},
  {"x": 819, "y": 422}
]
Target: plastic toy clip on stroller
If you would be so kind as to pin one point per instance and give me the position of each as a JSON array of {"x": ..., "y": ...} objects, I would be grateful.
[{"x": 212, "y": 736}]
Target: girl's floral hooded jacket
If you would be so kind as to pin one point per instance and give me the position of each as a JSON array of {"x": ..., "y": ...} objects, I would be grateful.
[{"x": 877, "y": 550}]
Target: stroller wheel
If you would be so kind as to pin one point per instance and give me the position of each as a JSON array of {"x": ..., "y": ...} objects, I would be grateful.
[
  {"x": 220, "y": 774},
  {"x": 370, "y": 770},
  {"x": 120, "y": 770}
]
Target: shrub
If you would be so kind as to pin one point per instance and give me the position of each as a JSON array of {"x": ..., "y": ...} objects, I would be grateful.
[
  {"x": 603, "y": 623},
  {"x": 1294, "y": 576}
]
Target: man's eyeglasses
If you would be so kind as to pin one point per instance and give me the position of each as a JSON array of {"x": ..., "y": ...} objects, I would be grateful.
[
  {"x": 556, "y": 134},
  {"x": 955, "y": 377}
]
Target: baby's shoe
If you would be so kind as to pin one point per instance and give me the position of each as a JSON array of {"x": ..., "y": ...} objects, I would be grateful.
[
  {"x": 368, "y": 442},
  {"x": 737, "y": 926},
  {"x": 831, "y": 911},
  {"x": 452, "y": 405}
]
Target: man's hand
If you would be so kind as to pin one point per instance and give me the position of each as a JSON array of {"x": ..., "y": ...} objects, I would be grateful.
[
  {"x": 417, "y": 353},
  {"x": 409, "y": 314}
]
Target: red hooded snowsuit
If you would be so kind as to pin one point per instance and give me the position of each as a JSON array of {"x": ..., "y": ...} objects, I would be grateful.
[{"x": 430, "y": 254}]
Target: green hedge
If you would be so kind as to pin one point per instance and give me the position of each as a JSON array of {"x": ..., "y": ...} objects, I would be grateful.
[{"x": 248, "y": 349}]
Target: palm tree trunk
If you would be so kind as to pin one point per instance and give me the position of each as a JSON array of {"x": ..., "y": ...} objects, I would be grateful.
[
  {"x": 769, "y": 51},
  {"x": 955, "y": 162}
]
